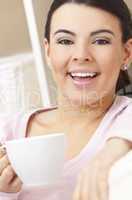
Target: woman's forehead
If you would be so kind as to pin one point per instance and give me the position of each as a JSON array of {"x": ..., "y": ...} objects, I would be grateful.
[{"x": 79, "y": 16}]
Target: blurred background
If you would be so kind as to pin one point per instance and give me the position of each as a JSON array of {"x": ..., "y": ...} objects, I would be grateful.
[{"x": 25, "y": 80}]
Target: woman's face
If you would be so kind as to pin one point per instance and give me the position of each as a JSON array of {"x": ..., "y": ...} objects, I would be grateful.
[{"x": 85, "y": 51}]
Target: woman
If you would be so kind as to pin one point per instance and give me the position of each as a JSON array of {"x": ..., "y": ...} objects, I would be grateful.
[{"x": 87, "y": 44}]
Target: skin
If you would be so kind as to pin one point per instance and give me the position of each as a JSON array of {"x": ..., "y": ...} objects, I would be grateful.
[
  {"x": 76, "y": 117},
  {"x": 9, "y": 181},
  {"x": 68, "y": 52}
]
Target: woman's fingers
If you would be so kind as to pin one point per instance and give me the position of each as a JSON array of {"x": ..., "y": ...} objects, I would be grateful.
[
  {"x": 85, "y": 190},
  {"x": 4, "y": 162},
  {"x": 83, "y": 187},
  {"x": 2, "y": 151},
  {"x": 92, "y": 184},
  {"x": 9, "y": 182},
  {"x": 93, "y": 190},
  {"x": 8, "y": 174},
  {"x": 88, "y": 185},
  {"x": 5, "y": 178},
  {"x": 102, "y": 185},
  {"x": 77, "y": 191},
  {"x": 16, "y": 184}
]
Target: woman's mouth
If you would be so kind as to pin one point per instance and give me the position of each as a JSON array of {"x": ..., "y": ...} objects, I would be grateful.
[{"x": 83, "y": 79}]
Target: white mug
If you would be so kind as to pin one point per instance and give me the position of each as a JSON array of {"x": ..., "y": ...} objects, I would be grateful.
[{"x": 39, "y": 160}]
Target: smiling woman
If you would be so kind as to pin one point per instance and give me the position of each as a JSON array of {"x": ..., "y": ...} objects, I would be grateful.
[
  {"x": 112, "y": 8},
  {"x": 87, "y": 44},
  {"x": 87, "y": 56}
]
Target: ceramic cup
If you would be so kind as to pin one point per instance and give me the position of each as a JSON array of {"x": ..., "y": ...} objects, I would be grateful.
[{"x": 38, "y": 160}]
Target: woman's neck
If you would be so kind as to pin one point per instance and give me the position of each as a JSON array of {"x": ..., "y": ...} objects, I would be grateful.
[{"x": 69, "y": 112}]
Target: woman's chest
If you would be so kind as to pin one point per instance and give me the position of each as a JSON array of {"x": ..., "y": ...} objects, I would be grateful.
[{"x": 76, "y": 137}]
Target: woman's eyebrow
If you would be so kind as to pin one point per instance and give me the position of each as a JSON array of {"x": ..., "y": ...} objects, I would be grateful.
[
  {"x": 102, "y": 31},
  {"x": 91, "y": 34},
  {"x": 64, "y": 31}
]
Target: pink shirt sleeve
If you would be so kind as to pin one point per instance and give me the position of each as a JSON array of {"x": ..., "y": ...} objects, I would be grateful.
[
  {"x": 8, "y": 196},
  {"x": 122, "y": 125},
  {"x": 12, "y": 126},
  {"x": 7, "y": 124}
]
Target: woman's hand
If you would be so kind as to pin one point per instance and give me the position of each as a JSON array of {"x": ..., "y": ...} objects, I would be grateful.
[
  {"x": 92, "y": 183},
  {"x": 9, "y": 181}
]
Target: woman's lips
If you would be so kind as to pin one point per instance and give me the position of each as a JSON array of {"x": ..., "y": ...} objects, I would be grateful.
[{"x": 83, "y": 82}]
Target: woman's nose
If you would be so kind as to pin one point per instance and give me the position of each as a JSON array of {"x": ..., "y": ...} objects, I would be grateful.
[
  {"x": 82, "y": 54},
  {"x": 81, "y": 59}
]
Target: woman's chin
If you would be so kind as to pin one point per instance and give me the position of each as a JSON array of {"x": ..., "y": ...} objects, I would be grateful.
[{"x": 78, "y": 101}]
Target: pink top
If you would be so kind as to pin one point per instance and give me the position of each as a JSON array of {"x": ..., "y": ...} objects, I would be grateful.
[{"x": 116, "y": 122}]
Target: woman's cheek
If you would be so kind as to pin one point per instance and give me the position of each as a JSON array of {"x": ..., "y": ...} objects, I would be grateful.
[{"x": 60, "y": 62}]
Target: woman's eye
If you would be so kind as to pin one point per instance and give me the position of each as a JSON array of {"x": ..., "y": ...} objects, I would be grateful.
[
  {"x": 65, "y": 42},
  {"x": 101, "y": 42}
]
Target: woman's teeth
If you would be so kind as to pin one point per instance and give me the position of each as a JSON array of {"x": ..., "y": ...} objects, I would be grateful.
[
  {"x": 83, "y": 74},
  {"x": 83, "y": 79}
]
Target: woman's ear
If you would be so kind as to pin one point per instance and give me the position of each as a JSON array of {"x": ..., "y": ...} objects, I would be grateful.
[
  {"x": 128, "y": 52},
  {"x": 47, "y": 51}
]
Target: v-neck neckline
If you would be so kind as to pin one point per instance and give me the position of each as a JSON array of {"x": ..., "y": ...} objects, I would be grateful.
[{"x": 90, "y": 146}]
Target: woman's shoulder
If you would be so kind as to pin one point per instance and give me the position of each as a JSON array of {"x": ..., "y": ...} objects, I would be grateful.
[
  {"x": 121, "y": 105},
  {"x": 14, "y": 125},
  {"x": 126, "y": 103},
  {"x": 122, "y": 123},
  {"x": 126, "y": 99},
  {"x": 8, "y": 124}
]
